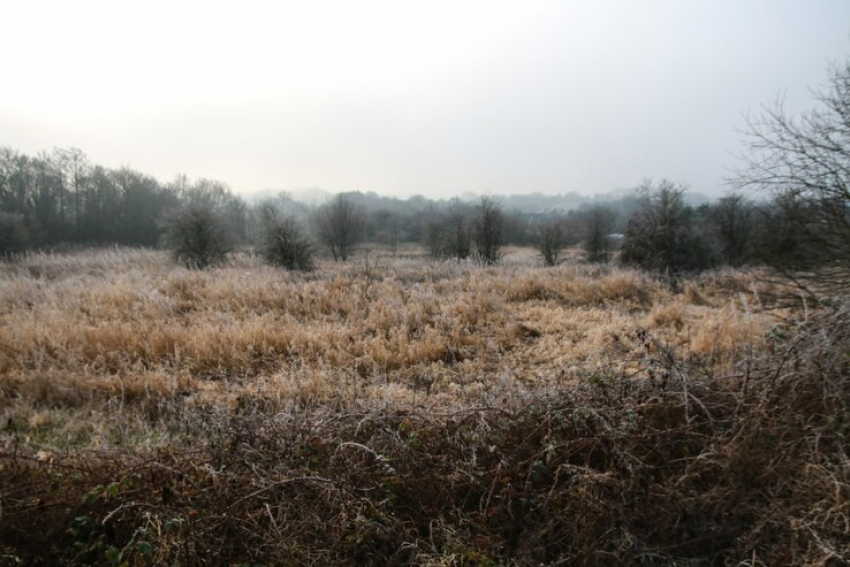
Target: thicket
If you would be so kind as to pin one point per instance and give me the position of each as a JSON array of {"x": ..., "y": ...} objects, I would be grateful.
[
  {"x": 661, "y": 235},
  {"x": 678, "y": 464},
  {"x": 466, "y": 230},
  {"x": 196, "y": 235},
  {"x": 488, "y": 229},
  {"x": 450, "y": 235},
  {"x": 283, "y": 243},
  {"x": 596, "y": 229},
  {"x": 550, "y": 240}
]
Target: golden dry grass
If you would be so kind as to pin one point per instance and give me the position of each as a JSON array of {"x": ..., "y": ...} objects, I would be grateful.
[
  {"x": 400, "y": 411},
  {"x": 89, "y": 334}
]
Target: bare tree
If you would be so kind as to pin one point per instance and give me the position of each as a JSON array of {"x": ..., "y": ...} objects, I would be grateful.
[
  {"x": 550, "y": 239},
  {"x": 804, "y": 162},
  {"x": 434, "y": 236},
  {"x": 197, "y": 235},
  {"x": 72, "y": 167},
  {"x": 393, "y": 234},
  {"x": 660, "y": 235},
  {"x": 390, "y": 228},
  {"x": 282, "y": 242},
  {"x": 339, "y": 226},
  {"x": 489, "y": 224},
  {"x": 449, "y": 233},
  {"x": 597, "y": 225},
  {"x": 457, "y": 231},
  {"x": 782, "y": 242},
  {"x": 218, "y": 195},
  {"x": 58, "y": 160},
  {"x": 731, "y": 229}
]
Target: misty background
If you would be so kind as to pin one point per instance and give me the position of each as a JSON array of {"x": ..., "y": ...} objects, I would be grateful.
[{"x": 437, "y": 99}]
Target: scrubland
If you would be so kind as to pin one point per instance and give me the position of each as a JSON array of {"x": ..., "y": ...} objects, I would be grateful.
[{"x": 397, "y": 410}]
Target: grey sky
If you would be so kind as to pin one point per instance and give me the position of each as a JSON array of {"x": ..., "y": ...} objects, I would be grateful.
[{"x": 435, "y": 98}]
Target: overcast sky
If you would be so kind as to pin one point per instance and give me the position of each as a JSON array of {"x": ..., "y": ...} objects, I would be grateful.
[{"x": 427, "y": 97}]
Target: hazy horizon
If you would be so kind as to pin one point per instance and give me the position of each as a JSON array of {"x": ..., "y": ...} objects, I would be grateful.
[{"x": 436, "y": 99}]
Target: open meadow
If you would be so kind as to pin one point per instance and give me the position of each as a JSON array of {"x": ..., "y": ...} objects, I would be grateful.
[
  {"x": 443, "y": 284},
  {"x": 94, "y": 336},
  {"x": 399, "y": 410}
]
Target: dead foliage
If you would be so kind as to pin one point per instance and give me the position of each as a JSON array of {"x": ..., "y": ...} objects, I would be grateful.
[{"x": 677, "y": 464}]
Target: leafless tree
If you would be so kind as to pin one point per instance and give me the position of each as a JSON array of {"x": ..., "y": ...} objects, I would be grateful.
[
  {"x": 550, "y": 238},
  {"x": 221, "y": 199},
  {"x": 597, "y": 225},
  {"x": 197, "y": 235},
  {"x": 457, "y": 231},
  {"x": 732, "y": 226},
  {"x": 339, "y": 226},
  {"x": 804, "y": 162},
  {"x": 389, "y": 230},
  {"x": 282, "y": 242},
  {"x": 58, "y": 160},
  {"x": 660, "y": 235},
  {"x": 434, "y": 236},
  {"x": 393, "y": 234},
  {"x": 489, "y": 225},
  {"x": 72, "y": 167}
]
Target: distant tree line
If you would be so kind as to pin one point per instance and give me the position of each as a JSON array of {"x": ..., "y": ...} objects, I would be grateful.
[
  {"x": 800, "y": 168},
  {"x": 60, "y": 198}
]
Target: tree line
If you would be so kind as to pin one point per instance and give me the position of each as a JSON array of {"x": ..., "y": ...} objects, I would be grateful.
[
  {"x": 59, "y": 198},
  {"x": 799, "y": 167}
]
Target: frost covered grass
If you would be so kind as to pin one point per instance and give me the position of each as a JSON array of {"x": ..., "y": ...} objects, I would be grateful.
[
  {"x": 400, "y": 411},
  {"x": 91, "y": 333}
]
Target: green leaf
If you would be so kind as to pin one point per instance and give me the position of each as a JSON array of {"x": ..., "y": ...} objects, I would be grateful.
[
  {"x": 113, "y": 555},
  {"x": 111, "y": 490},
  {"x": 145, "y": 549}
]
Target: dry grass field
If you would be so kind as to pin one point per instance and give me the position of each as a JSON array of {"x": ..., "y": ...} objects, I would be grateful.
[
  {"x": 404, "y": 411},
  {"x": 91, "y": 336}
]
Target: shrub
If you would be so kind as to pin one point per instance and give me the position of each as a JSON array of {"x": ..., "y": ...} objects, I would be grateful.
[
  {"x": 726, "y": 468},
  {"x": 489, "y": 226},
  {"x": 660, "y": 235},
  {"x": 339, "y": 226},
  {"x": 456, "y": 238},
  {"x": 197, "y": 235},
  {"x": 283, "y": 243},
  {"x": 732, "y": 225},
  {"x": 597, "y": 226},
  {"x": 550, "y": 239},
  {"x": 449, "y": 234}
]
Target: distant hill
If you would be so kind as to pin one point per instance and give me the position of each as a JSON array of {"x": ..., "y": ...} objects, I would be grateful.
[{"x": 312, "y": 196}]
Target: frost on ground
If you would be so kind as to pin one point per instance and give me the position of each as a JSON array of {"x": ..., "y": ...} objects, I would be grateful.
[{"x": 404, "y": 411}]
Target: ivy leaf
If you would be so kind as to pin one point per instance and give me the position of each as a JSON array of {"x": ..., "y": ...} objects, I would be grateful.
[{"x": 145, "y": 548}]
